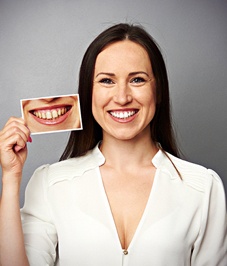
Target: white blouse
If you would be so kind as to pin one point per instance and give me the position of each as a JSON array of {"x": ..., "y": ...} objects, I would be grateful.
[{"x": 66, "y": 209}]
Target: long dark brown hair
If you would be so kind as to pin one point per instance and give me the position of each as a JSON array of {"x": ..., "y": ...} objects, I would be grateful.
[{"x": 161, "y": 126}]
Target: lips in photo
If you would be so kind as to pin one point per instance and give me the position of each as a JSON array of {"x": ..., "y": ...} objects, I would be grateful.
[{"x": 51, "y": 115}]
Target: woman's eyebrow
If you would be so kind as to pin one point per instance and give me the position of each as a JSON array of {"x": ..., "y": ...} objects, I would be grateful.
[
  {"x": 105, "y": 73},
  {"x": 138, "y": 72},
  {"x": 130, "y": 74}
]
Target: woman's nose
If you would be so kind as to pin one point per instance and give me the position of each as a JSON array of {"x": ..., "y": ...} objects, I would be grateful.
[
  {"x": 49, "y": 100},
  {"x": 122, "y": 94}
]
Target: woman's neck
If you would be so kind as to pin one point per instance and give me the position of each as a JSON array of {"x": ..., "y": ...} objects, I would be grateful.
[{"x": 128, "y": 153}]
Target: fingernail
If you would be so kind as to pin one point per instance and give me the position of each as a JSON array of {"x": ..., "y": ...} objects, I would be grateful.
[{"x": 29, "y": 139}]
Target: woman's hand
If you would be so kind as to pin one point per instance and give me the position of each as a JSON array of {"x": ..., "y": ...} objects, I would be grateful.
[
  {"x": 13, "y": 148},
  {"x": 13, "y": 153}
]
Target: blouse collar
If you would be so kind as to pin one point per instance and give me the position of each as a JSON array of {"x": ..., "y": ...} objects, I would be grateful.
[
  {"x": 71, "y": 168},
  {"x": 161, "y": 160}
]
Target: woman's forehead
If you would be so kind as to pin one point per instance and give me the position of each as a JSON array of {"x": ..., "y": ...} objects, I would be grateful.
[{"x": 123, "y": 55}]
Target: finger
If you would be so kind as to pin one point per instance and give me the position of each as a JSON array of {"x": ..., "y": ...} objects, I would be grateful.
[
  {"x": 15, "y": 119},
  {"x": 17, "y": 139},
  {"x": 13, "y": 138},
  {"x": 18, "y": 148},
  {"x": 15, "y": 122},
  {"x": 13, "y": 127}
]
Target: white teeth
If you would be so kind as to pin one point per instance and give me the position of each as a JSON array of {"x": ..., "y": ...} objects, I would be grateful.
[
  {"x": 123, "y": 115},
  {"x": 54, "y": 114},
  {"x": 50, "y": 114}
]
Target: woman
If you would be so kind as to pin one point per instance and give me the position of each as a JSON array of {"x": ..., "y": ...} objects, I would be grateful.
[{"x": 120, "y": 195}]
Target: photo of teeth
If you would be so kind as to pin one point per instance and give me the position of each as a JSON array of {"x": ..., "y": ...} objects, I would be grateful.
[{"x": 51, "y": 114}]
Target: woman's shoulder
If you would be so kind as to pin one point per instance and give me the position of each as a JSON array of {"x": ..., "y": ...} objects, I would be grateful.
[
  {"x": 195, "y": 175},
  {"x": 70, "y": 168},
  {"x": 192, "y": 175}
]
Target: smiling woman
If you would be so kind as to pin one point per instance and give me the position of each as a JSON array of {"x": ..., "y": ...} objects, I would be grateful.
[
  {"x": 52, "y": 113},
  {"x": 120, "y": 195}
]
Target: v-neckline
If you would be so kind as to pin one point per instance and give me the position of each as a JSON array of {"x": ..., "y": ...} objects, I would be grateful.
[{"x": 111, "y": 217}]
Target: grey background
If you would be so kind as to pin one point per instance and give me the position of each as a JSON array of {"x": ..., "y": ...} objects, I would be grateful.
[{"x": 42, "y": 44}]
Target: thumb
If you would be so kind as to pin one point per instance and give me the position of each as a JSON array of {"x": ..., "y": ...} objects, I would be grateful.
[{"x": 18, "y": 148}]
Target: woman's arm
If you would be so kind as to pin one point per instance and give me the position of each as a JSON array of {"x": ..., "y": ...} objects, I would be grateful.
[
  {"x": 211, "y": 245},
  {"x": 11, "y": 235},
  {"x": 13, "y": 153}
]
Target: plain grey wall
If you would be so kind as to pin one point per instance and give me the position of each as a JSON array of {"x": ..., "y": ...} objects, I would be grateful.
[{"x": 42, "y": 43}]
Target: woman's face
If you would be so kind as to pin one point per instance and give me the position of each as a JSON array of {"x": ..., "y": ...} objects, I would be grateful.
[
  {"x": 124, "y": 92},
  {"x": 51, "y": 114}
]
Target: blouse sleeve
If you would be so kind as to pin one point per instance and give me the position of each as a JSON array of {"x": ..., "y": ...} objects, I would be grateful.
[
  {"x": 39, "y": 232},
  {"x": 210, "y": 248}
]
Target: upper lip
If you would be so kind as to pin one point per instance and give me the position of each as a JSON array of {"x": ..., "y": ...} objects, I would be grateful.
[
  {"x": 124, "y": 110},
  {"x": 46, "y": 108}
]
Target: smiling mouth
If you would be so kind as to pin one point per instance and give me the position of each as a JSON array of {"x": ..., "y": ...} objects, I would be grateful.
[
  {"x": 123, "y": 114},
  {"x": 51, "y": 115}
]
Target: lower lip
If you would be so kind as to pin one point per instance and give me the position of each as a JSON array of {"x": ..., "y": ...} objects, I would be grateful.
[
  {"x": 124, "y": 120},
  {"x": 52, "y": 122}
]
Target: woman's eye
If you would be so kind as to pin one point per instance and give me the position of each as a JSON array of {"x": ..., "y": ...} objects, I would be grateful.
[
  {"x": 138, "y": 80},
  {"x": 106, "y": 81}
]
